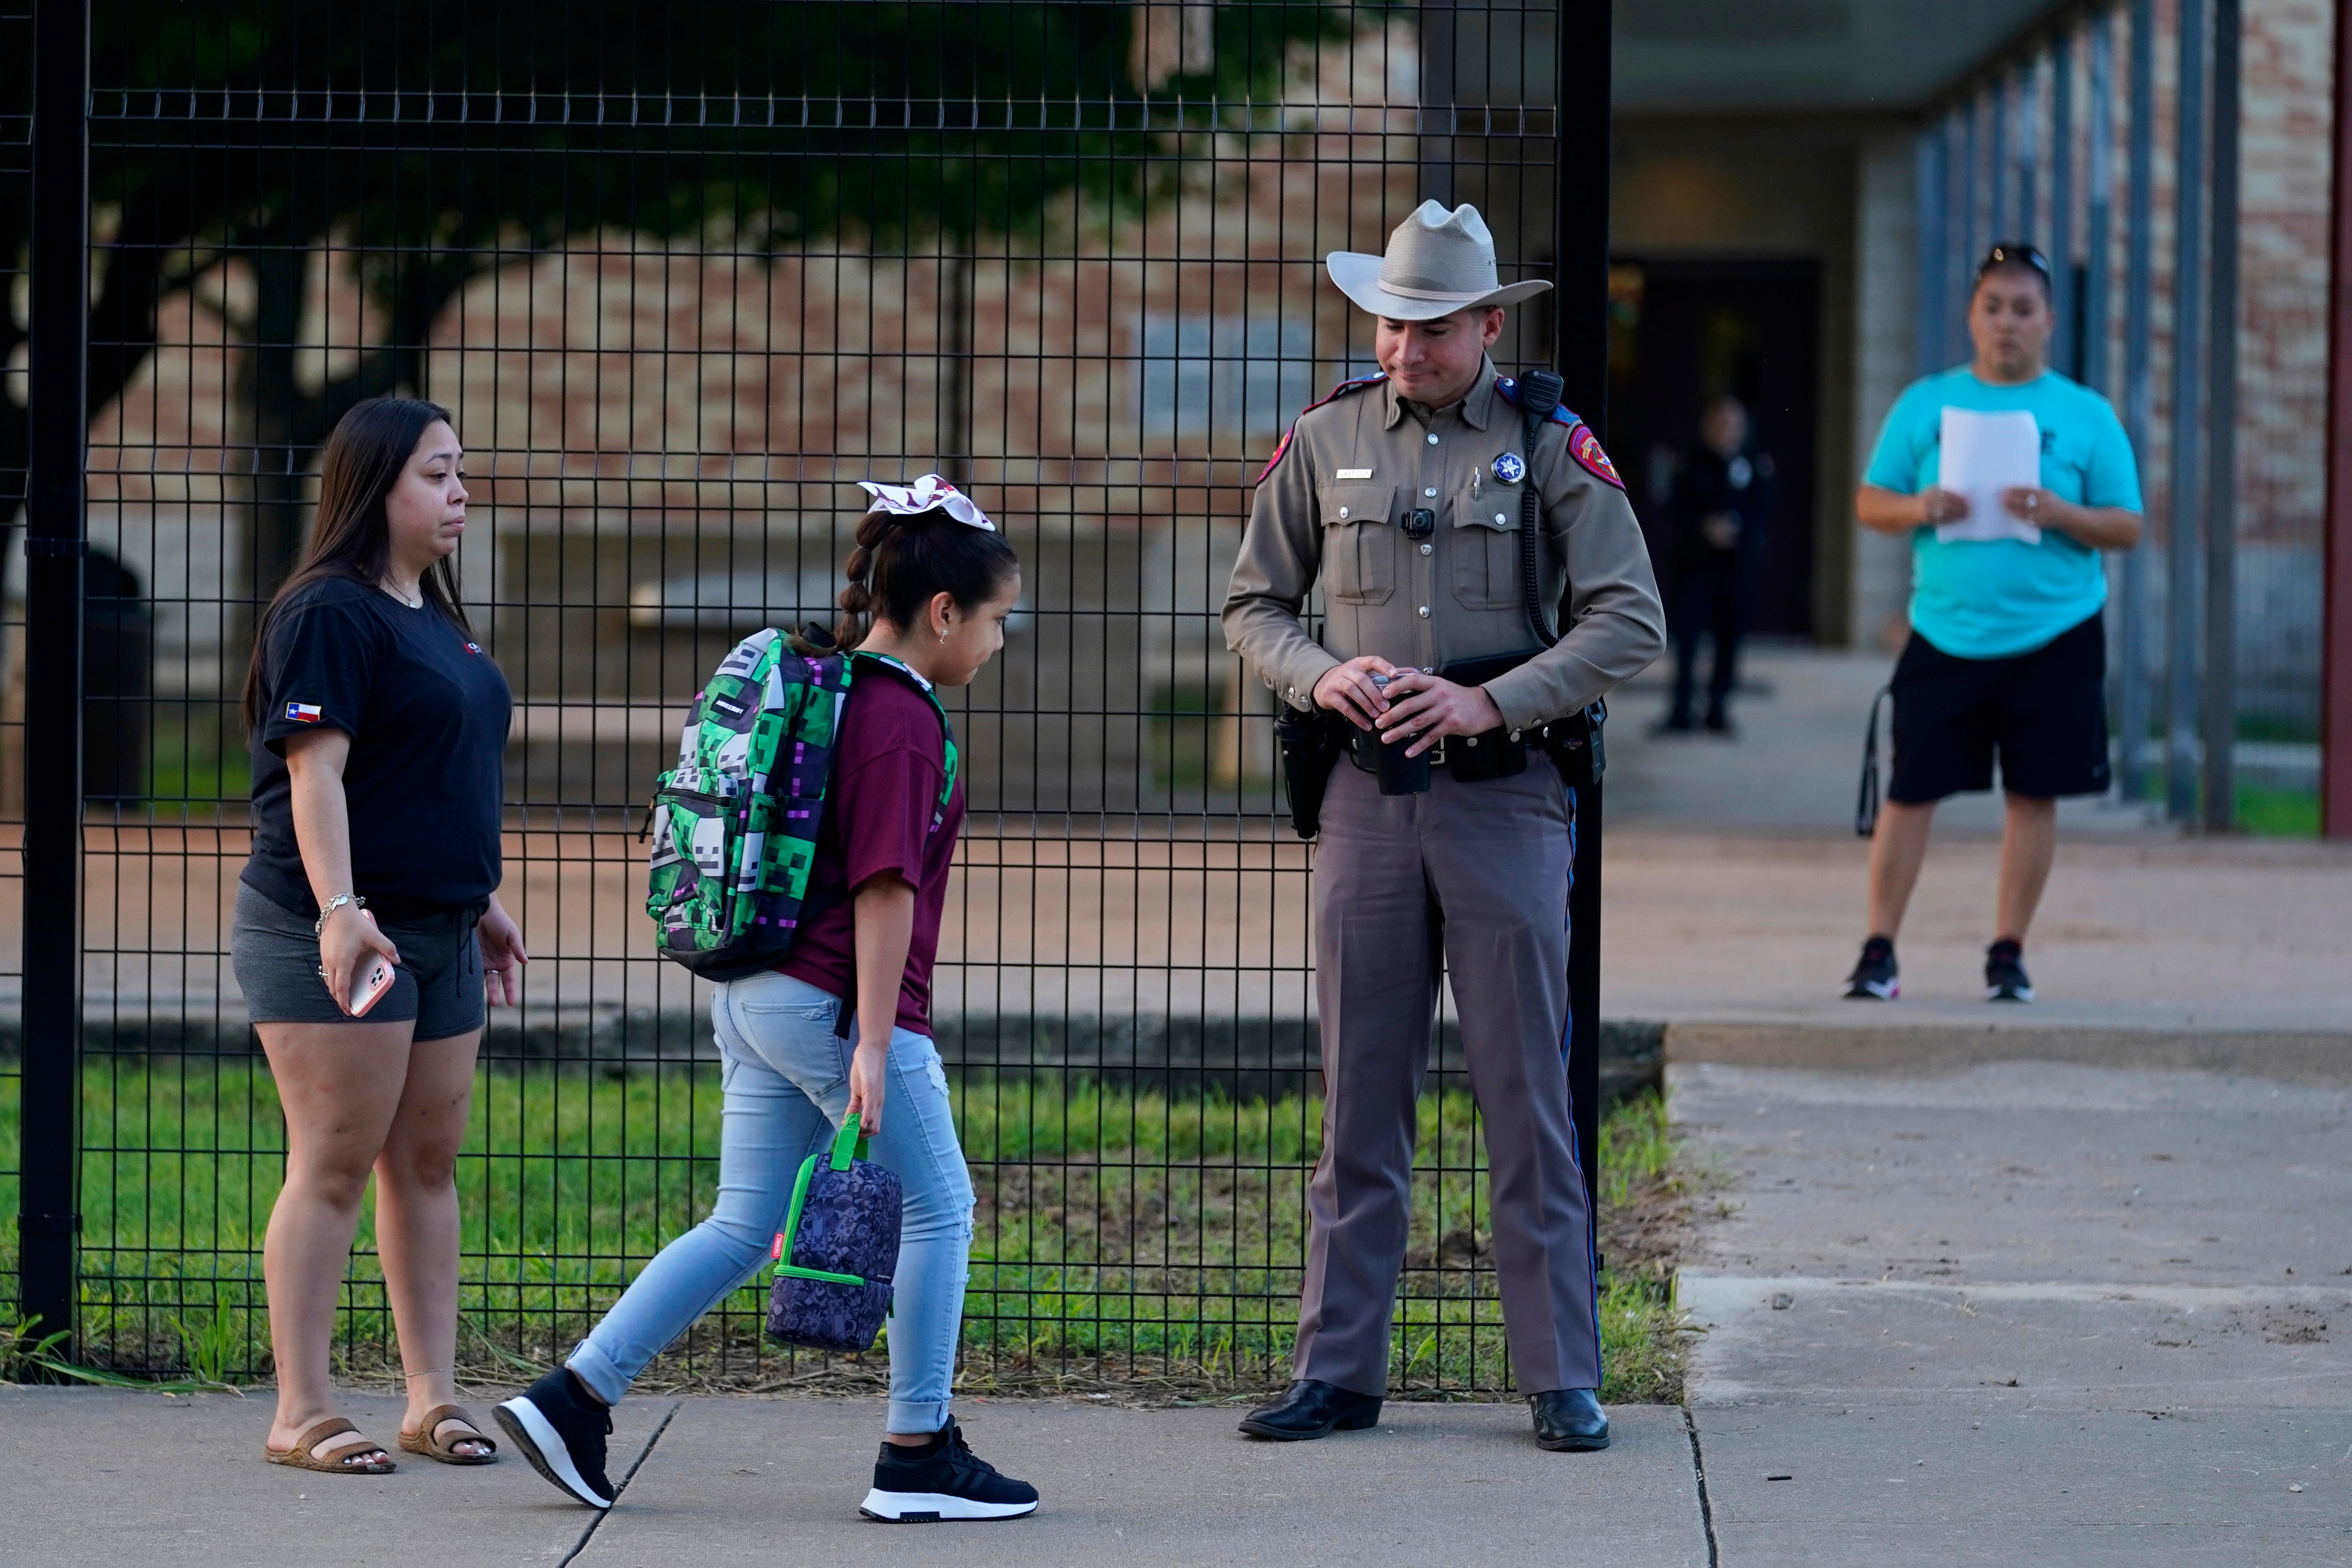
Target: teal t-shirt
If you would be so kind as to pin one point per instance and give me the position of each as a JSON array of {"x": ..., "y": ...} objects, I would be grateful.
[{"x": 1989, "y": 599}]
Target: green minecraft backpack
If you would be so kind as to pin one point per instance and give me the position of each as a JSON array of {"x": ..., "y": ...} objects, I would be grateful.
[{"x": 734, "y": 824}]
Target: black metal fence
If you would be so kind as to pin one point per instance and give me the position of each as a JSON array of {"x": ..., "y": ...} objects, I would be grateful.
[
  {"x": 15, "y": 203},
  {"x": 684, "y": 273}
]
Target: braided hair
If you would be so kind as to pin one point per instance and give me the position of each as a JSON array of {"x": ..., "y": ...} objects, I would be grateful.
[{"x": 902, "y": 561}]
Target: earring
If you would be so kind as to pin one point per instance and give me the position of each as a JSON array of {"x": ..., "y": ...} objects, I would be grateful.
[{"x": 943, "y": 636}]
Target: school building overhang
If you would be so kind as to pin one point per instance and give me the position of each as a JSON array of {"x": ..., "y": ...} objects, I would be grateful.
[{"x": 1812, "y": 56}]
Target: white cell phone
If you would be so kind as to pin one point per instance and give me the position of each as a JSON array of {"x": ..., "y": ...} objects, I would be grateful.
[{"x": 375, "y": 979}]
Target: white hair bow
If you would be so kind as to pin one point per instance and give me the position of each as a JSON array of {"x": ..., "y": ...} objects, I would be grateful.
[{"x": 928, "y": 494}]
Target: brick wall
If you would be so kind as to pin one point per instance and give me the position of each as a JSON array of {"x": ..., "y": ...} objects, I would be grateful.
[
  {"x": 664, "y": 436},
  {"x": 687, "y": 387}
]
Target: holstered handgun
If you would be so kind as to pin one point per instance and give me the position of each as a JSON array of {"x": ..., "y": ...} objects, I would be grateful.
[{"x": 1309, "y": 744}]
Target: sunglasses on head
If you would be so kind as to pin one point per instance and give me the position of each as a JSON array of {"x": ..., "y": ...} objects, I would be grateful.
[{"x": 2014, "y": 256}]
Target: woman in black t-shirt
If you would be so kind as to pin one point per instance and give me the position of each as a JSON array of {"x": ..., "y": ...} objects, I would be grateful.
[{"x": 379, "y": 728}]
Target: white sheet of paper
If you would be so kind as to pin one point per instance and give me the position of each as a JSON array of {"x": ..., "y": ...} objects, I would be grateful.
[{"x": 1984, "y": 454}]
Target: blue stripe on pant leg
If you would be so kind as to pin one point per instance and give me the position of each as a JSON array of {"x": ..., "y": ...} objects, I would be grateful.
[
  {"x": 1568, "y": 1031},
  {"x": 1576, "y": 1151}
]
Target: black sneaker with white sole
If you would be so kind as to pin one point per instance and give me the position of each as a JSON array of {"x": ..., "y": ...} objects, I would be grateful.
[
  {"x": 1875, "y": 977},
  {"x": 2005, "y": 978},
  {"x": 561, "y": 1431},
  {"x": 945, "y": 1481}
]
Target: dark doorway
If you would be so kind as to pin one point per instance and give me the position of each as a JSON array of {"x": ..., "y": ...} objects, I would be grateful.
[{"x": 1684, "y": 332}]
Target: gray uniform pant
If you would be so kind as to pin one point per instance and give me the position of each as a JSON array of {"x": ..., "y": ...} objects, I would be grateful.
[{"x": 1477, "y": 874}]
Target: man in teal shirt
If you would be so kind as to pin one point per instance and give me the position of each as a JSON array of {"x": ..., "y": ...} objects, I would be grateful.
[{"x": 2007, "y": 653}]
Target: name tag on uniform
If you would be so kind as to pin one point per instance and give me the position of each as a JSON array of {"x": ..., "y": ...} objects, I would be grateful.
[{"x": 1355, "y": 474}]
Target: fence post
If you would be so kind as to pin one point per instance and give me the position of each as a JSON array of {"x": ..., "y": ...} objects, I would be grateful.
[
  {"x": 54, "y": 546},
  {"x": 2135, "y": 704},
  {"x": 1580, "y": 347},
  {"x": 1932, "y": 164},
  {"x": 2336, "y": 675},
  {"x": 2184, "y": 570},
  {"x": 2219, "y": 719},
  {"x": 2060, "y": 246}
]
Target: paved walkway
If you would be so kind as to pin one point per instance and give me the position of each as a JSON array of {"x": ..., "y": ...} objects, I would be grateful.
[
  {"x": 778, "y": 1481},
  {"x": 2173, "y": 934},
  {"x": 1734, "y": 901},
  {"x": 2023, "y": 1313},
  {"x": 1797, "y": 758}
]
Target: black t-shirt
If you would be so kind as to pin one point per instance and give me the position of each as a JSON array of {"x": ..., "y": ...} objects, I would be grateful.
[{"x": 427, "y": 711}]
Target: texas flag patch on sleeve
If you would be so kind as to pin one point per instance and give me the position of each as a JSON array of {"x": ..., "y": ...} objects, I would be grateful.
[
  {"x": 1585, "y": 447},
  {"x": 303, "y": 713}
]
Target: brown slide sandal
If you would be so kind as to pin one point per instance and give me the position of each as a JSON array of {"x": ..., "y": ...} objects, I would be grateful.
[
  {"x": 301, "y": 1456},
  {"x": 427, "y": 1439}
]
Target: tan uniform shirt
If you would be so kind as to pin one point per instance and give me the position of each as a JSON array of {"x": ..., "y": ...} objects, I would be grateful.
[{"x": 1333, "y": 504}]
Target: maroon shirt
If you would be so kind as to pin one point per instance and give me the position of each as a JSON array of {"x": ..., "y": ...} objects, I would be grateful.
[{"x": 878, "y": 817}]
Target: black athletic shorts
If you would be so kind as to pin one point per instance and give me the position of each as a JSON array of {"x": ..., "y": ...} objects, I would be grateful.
[{"x": 2046, "y": 712}]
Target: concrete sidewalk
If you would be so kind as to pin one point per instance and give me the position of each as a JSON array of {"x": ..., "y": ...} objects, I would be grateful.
[
  {"x": 2023, "y": 1313},
  {"x": 2173, "y": 937},
  {"x": 98, "y": 1476},
  {"x": 1734, "y": 888}
]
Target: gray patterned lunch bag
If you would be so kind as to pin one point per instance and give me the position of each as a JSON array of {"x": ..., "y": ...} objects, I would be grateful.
[{"x": 838, "y": 1251}]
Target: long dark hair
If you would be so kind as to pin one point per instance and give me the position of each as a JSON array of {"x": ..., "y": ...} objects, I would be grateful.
[
  {"x": 352, "y": 537},
  {"x": 900, "y": 562}
]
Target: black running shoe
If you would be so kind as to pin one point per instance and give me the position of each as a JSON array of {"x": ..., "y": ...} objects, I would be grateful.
[
  {"x": 1875, "y": 977},
  {"x": 943, "y": 1481},
  {"x": 2005, "y": 978},
  {"x": 561, "y": 1431}
]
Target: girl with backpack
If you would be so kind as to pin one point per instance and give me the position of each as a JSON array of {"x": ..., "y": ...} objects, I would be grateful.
[{"x": 930, "y": 584}]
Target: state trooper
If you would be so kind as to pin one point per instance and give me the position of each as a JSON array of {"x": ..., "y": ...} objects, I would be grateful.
[{"x": 1437, "y": 673}]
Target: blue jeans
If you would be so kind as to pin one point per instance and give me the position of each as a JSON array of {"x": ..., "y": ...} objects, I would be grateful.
[{"x": 787, "y": 1076}]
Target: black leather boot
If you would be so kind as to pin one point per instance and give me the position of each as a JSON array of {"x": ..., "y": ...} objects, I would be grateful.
[
  {"x": 1570, "y": 1420},
  {"x": 1312, "y": 1409}
]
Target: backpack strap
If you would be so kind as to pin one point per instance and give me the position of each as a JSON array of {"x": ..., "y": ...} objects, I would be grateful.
[{"x": 952, "y": 758}]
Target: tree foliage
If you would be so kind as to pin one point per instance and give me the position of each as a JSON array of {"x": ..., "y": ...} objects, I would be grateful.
[{"x": 433, "y": 138}]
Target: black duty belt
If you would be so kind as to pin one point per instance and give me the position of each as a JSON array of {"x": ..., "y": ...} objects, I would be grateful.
[
  {"x": 1572, "y": 742},
  {"x": 1490, "y": 754}
]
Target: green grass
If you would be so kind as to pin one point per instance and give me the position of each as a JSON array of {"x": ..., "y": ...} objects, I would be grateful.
[
  {"x": 1181, "y": 734},
  {"x": 197, "y": 755},
  {"x": 2274, "y": 812},
  {"x": 1118, "y": 1232},
  {"x": 2266, "y": 810}
]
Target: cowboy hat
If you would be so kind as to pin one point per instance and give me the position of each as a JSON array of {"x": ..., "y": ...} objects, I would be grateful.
[{"x": 1437, "y": 263}]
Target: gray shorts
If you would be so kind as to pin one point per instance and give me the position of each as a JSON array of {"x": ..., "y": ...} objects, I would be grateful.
[{"x": 438, "y": 982}]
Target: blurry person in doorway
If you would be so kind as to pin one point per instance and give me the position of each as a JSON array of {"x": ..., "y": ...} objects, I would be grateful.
[
  {"x": 1722, "y": 505},
  {"x": 2007, "y": 652}
]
